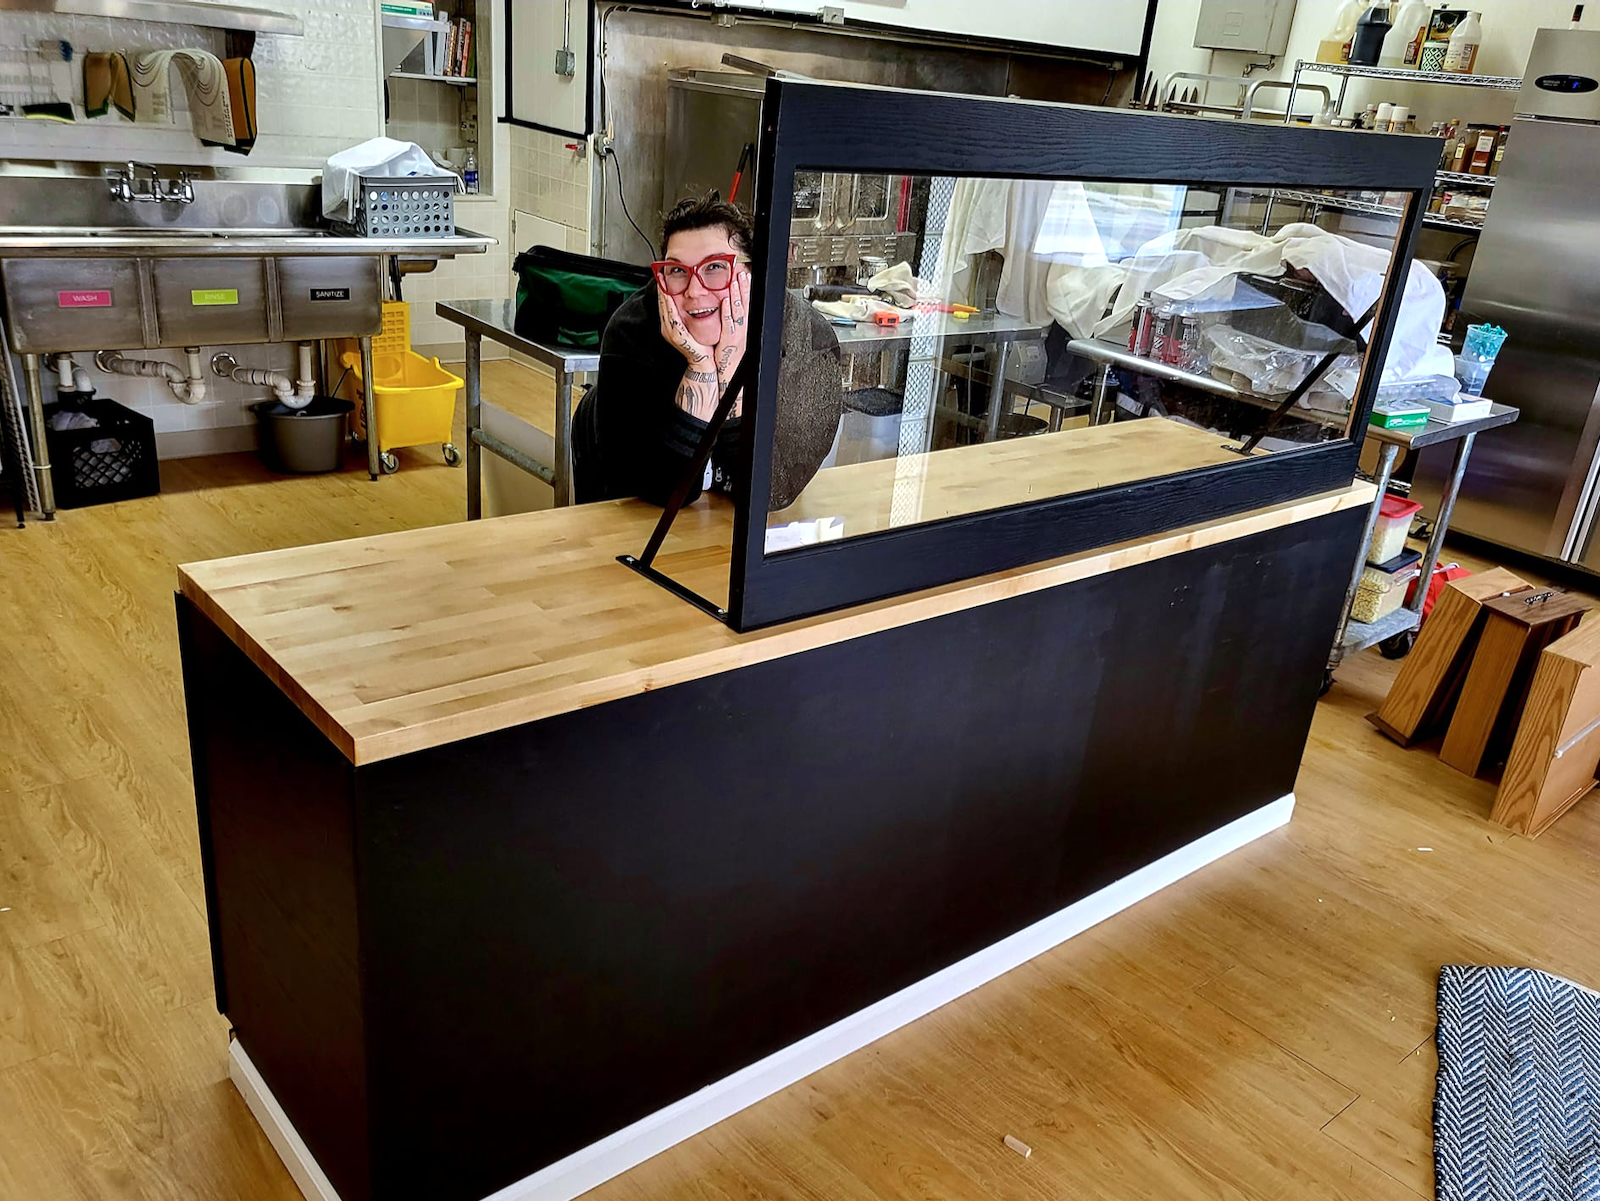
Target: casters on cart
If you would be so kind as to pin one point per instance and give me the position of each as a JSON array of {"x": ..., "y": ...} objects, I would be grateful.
[
  {"x": 388, "y": 462},
  {"x": 1327, "y": 683},
  {"x": 1399, "y": 646},
  {"x": 452, "y": 456}
]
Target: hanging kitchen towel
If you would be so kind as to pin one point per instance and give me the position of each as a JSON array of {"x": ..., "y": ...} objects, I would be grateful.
[
  {"x": 205, "y": 84},
  {"x": 55, "y": 60},
  {"x": 242, "y": 100},
  {"x": 152, "y": 85},
  {"x": 107, "y": 84}
]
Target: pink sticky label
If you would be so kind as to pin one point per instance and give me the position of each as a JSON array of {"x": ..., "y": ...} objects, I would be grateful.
[{"x": 84, "y": 300}]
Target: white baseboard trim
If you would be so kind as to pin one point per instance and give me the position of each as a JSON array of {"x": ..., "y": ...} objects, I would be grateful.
[
  {"x": 632, "y": 1145},
  {"x": 280, "y": 1132}
]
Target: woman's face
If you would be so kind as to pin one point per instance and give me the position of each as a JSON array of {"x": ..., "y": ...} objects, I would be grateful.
[{"x": 699, "y": 306}]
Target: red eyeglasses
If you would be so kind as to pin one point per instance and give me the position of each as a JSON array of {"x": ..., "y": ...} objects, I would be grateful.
[{"x": 715, "y": 272}]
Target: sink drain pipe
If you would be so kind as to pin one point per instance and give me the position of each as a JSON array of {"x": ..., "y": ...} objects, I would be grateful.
[
  {"x": 190, "y": 389},
  {"x": 295, "y": 395},
  {"x": 73, "y": 378}
]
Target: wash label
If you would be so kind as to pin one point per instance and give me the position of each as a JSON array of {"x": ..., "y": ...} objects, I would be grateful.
[
  {"x": 204, "y": 297},
  {"x": 330, "y": 293},
  {"x": 96, "y": 299}
]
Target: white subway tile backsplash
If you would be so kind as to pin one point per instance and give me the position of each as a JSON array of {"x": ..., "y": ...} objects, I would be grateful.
[{"x": 315, "y": 95}]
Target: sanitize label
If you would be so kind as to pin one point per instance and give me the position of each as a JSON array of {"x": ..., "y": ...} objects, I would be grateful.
[
  {"x": 214, "y": 296},
  {"x": 97, "y": 299},
  {"x": 330, "y": 293}
]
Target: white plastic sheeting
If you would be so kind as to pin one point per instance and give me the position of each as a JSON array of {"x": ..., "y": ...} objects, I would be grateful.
[{"x": 1096, "y": 299}]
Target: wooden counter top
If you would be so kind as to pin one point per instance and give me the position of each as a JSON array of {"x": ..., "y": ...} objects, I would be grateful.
[
  {"x": 405, "y": 641},
  {"x": 970, "y": 479}
]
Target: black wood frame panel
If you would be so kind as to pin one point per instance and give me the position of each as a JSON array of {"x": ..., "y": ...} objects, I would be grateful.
[
  {"x": 809, "y": 125},
  {"x": 277, "y": 846},
  {"x": 565, "y": 926}
]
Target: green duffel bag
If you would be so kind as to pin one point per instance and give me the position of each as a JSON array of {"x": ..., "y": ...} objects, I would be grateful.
[{"x": 565, "y": 299}]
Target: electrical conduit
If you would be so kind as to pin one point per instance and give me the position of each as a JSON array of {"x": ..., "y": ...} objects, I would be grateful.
[{"x": 190, "y": 389}]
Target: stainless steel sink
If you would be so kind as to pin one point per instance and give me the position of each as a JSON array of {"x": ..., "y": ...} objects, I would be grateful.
[
  {"x": 85, "y": 268},
  {"x": 81, "y": 216}
]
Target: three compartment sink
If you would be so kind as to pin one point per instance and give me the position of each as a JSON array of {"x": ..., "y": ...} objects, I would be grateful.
[{"x": 245, "y": 262}]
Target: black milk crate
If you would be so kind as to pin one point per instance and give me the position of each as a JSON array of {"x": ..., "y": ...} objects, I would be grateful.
[
  {"x": 116, "y": 460},
  {"x": 407, "y": 207}
]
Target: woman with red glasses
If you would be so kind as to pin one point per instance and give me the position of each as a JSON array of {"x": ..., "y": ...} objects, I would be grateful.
[{"x": 669, "y": 351}]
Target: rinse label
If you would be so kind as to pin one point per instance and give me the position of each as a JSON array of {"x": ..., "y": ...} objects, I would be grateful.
[
  {"x": 213, "y": 296},
  {"x": 330, "y": 293},
  {"x": 99, "y": 298}
]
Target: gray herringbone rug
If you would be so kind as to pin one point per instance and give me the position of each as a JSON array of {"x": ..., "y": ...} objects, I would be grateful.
[{"x": 1517, "y": 1112}]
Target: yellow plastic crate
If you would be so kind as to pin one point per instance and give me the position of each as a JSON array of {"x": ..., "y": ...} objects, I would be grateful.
[
  {"x": 395, "y": 337},
  {"x": 414, "y": 398}
]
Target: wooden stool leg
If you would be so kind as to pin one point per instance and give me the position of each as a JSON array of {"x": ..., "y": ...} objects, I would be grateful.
[{"x": 1489, "y": 679}]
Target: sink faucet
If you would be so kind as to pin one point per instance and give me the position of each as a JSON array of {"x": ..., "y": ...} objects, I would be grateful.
[{"x": 128, "y": 187}]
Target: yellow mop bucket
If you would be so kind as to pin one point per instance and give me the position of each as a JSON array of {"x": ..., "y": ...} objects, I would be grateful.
[{"x": 414, "y": 399}]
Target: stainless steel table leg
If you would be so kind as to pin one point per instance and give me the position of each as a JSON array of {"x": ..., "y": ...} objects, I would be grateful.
[
  {"x": 474, "y": 452},
  {"x": 1387, "y": 453},
  {"x": 40, "y": 448},
  {"x": 563, "y": 422},
  {"x": 1441, "y": 523},
  {"x": 369, "y": 409},
  {"x": 997, "y": 390},
  {"x": 1102, "y": 387}
]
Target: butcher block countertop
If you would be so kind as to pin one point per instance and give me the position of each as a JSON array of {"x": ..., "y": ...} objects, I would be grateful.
[{"x": 406, "y": 641}]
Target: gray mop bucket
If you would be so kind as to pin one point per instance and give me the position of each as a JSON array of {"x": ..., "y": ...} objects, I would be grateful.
[{"x": 302, "y": 441}]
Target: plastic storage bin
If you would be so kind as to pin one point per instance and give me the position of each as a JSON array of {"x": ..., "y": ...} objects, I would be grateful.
[
  {"x": 302, "y": 441},
  {"x": 414, "y": 399},
  {"x": 114, "y": 460},
  {"x": 1380, "y": 593},
  {"x": 1394, "y": 523}
]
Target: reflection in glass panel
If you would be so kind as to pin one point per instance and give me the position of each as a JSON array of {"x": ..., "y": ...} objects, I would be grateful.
[{"x": 1008, "y": 341}]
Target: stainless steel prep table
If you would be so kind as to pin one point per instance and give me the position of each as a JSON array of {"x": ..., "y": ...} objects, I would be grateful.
[
  {"x": 495, "y": 320},
  {"x": 995, "y": 329},
  {"x": 1394, "y": 632}
]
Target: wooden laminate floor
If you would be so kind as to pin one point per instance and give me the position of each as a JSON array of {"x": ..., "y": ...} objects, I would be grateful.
[{"x": 1261, "y": 1030}]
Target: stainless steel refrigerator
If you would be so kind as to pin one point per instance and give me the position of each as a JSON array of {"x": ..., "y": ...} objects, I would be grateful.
[{"x": 1532, "y": 486}]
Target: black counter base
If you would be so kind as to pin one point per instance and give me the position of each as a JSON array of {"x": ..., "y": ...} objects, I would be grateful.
[{"x": 457, "y": 968}]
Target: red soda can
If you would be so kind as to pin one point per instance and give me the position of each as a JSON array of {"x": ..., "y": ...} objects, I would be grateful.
[
  {"x": 1143, "y": 326},
  {"x": 1163, "y": 334}
]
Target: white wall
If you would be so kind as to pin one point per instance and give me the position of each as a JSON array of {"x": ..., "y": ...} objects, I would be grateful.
[
  {"x": 315, "y": 94},
  {"x": 1508, "y": 29},
  {"x": 540, "y": 95},
  {"x": 473, "y": 276},
  {"x": 1111, "y": 26}
]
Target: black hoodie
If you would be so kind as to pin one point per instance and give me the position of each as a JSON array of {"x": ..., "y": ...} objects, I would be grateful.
[{"x": 630, "y": 438}]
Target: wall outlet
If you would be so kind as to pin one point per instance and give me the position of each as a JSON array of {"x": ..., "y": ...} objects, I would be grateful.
[{"x": 566, "y": 62}]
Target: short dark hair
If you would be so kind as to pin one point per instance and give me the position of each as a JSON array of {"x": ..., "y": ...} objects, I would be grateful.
[{"x": 710, "y": 211}]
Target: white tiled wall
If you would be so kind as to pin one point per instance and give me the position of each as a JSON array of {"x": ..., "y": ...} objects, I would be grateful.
[
  {"x": 315, "y": 94},
  {"x": 425, "y": 112},
  {"x": 472, "y": 276},
  {"x": 539, "y": 176},
  {"x": 550, "y": 180},
  {"x": 226, "y": 407}
]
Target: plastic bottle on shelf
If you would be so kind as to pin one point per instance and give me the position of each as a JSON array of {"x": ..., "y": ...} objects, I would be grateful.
[
  {"x": 1358, "y": 9},
  {"x": 1335, "y": 46},
  {"x": 469, "y": 174},
  {"x": 1464, "y": 42},
  {"x": 1397, "y": 44},
  {"x": 1372, "y": 30}
]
